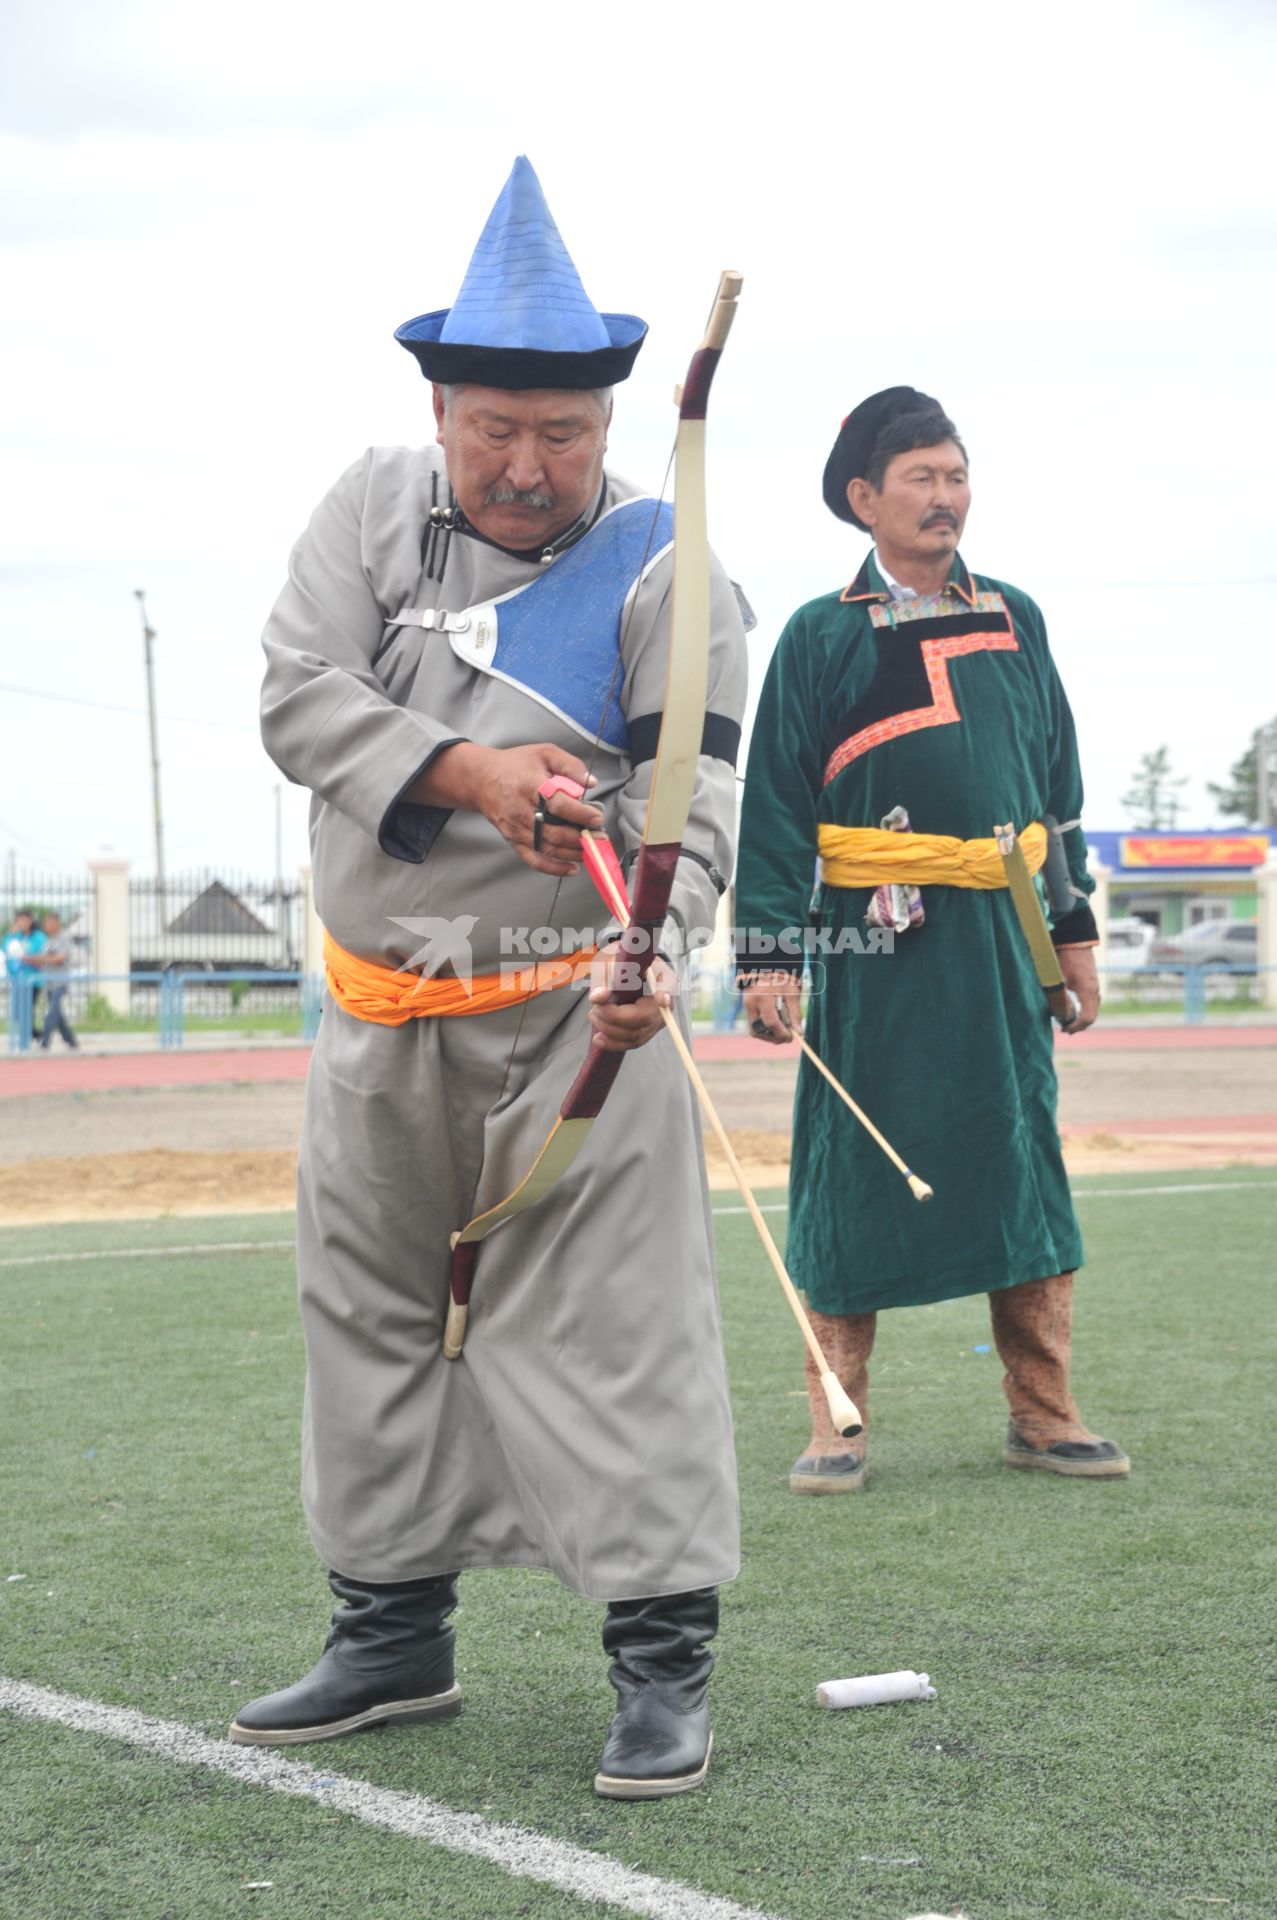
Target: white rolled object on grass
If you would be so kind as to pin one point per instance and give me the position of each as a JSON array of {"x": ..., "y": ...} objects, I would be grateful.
[{"x": 876, "y": 1689}]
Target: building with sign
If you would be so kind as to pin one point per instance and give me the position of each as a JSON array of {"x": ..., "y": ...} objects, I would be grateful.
[
  {"x": 1174, "y": 881},
  {"x": 1160, "y": 901}
]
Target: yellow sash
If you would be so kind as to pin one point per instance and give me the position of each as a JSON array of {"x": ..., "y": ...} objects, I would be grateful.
[
  {"x": 874, "y": 857},
  {"x": 390, "y": 997}
]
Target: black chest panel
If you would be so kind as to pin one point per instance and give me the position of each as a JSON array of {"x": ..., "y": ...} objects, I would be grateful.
[{"x": 901, "y": 682}]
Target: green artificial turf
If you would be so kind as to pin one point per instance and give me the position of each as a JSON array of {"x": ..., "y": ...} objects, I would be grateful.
[
  {"x": 125, "y": 1835},
  {"x": 1103, "y": 1652}
]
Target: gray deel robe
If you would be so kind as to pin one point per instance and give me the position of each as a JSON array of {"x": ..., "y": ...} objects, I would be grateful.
[{"x": 586, "y": 1428}]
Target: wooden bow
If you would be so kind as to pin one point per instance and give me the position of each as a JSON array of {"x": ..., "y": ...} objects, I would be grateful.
[{"x": 669, "y": 803}]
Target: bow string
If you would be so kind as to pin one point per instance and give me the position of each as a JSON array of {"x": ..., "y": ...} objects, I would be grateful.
[{"x": 669, "y": 805}]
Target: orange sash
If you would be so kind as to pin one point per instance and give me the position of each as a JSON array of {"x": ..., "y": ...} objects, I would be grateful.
[{"x": 391, "y": 996}]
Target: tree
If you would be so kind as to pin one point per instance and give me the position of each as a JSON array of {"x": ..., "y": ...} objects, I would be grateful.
[
  {"x": 1240, "y": 797},
  {"x": 1153, "y": 800}
]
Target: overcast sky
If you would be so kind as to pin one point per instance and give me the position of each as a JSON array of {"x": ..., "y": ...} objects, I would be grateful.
[{"x": 1061, "y": 221}]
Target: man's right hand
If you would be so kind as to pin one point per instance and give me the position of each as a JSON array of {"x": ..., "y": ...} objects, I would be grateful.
[
  {"x": 502, "y": 783},
  {"x": 764, "y": 998}
]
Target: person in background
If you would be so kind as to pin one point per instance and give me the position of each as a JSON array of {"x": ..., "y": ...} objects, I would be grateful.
[
  {"x": 15, "y": 942},
  {"x": 55, "y": 964},
  {"x": 23, "y": 945},
  {"x": 901, "y": 719}
]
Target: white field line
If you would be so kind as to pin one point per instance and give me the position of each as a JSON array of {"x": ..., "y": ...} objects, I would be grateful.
[
  {"x": 1085, "y": 1193},
  {"x": 1082, "y": 1193},
  {"x": 1205, "y": 1186},
  {"x": 515, "y": 1850},
  {"x": 777, "y": 1206},
  {"x": 151, "y": 1253}
]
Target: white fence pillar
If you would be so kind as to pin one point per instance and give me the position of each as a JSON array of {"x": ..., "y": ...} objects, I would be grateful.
[
  {"x": 312, "y": 926},
  {"x": 111, "y": 927},
  {"x": 1266, "y": 883}
]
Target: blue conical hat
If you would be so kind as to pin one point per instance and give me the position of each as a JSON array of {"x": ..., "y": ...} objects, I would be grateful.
[
  {"x": 522, "y": 318},
  {"x": 521, "y": 288}
]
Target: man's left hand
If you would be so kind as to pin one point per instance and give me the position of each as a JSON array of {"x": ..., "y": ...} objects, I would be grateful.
[
  {"x": 619, "y": 1029},
  {"x": 1077, "y": 964}
]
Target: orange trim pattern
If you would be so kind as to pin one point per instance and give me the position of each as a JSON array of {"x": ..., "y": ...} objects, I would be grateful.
[
  {"x": 943, "y": 712},
  {"x": 952, "y": 585}
]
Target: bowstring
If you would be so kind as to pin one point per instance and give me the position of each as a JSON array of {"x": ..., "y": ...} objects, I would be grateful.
[{"x": 595, "y": 748}]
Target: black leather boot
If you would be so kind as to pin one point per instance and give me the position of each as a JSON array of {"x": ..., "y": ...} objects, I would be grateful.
[
  {"x": 387, "y": 1660},
  {"x": 659, "y": 1741}
]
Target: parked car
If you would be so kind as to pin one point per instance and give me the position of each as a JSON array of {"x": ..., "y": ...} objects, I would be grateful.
[
  {"x": 1232, "y": 943},
  {"x": 1128, "y": 942}
]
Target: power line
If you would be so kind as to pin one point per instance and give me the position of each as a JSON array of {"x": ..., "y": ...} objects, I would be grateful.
[
  {"x": 34, "y": 849},
  {"x": 111, "y": 706}
]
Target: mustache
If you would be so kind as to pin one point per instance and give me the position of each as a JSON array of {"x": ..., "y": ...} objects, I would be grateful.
[
  {"x": 521, "y": 497},
  {"x": 942, "y": 517}
]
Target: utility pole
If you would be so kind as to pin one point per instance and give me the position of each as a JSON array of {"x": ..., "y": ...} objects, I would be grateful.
[
  {"x": 1263, "y": 806},
  {"x": 148, "y": 643}
]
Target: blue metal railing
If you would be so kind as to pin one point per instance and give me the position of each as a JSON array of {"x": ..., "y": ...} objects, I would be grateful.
[
  {"x": 1194, "y": 977},
  {"x": 22, "y": 995},
  {"x": 714, "y": 993},
  {"x": 169, "y": 991},
  {"x": 173, "y": 997}
]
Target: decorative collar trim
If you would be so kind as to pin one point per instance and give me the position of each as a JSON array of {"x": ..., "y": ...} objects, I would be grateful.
[{"x": 869, "y": 585}]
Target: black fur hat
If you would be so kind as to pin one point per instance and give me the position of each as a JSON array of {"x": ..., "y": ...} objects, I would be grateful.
[{"x": 853, "y": 449}]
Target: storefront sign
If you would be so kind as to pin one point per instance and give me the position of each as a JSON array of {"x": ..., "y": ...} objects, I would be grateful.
[{"x": 1194, "y": 850}]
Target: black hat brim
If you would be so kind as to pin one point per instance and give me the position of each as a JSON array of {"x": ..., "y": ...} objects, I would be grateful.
[{"x": 453, "y": 363}]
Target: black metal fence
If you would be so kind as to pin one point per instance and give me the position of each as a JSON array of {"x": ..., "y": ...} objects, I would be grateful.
[
  {"x": 217, "y": 922},
  {"x": 209, "y": 919},
  {"x": 69, "y": 895},
  {"x": 208, "y": 951},
  {"x": 230, "y": 945}
]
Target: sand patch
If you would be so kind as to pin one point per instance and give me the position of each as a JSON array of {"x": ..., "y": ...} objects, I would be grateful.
[
  {"x": 1096, "y": 1150},
  {"x": 134, "y": 1186},
  {"x": 161, "y": 1180}
]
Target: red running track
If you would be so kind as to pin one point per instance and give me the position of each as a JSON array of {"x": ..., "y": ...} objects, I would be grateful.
[
  {"x": 103, "y": 1072},
  {"x": 742, "y": 1046},
  {"x": 1189, "y": 1124},
  {"x": 99, "y": 1073}
]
